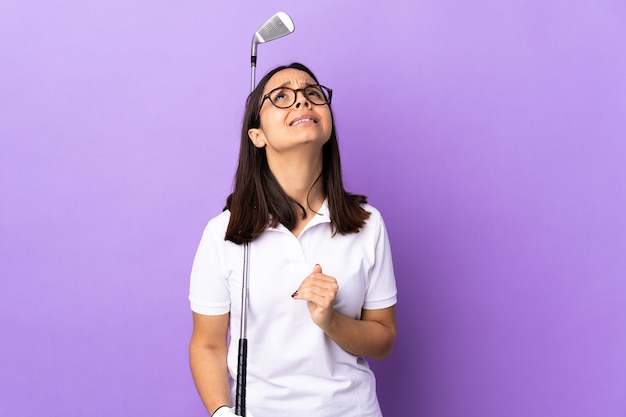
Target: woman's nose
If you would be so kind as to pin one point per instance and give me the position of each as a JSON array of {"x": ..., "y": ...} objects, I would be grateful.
[{"x": 301, "y": 99}]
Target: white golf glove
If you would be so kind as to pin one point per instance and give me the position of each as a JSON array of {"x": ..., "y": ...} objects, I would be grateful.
[{"x": 229, "y": 412}]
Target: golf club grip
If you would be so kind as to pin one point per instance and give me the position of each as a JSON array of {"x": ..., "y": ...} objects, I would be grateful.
[{"x": 242, "y": 366}]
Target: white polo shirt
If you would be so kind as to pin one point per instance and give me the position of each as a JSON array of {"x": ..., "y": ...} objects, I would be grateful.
[{"x": 294, "y": 369}]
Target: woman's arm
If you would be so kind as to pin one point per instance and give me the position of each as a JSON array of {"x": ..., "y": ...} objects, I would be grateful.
[
  {"x": 372, "y": 336},
  {"x": 207, "y": 357}
]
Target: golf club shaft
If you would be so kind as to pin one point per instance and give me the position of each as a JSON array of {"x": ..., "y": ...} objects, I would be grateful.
[{"x": 252, "y": 70}]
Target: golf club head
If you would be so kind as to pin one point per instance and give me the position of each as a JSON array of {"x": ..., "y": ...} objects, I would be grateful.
[{"x": 275, "y": 27}]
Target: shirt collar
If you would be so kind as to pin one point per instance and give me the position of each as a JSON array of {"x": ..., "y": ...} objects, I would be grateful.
[{"x": 322, "y": 216}]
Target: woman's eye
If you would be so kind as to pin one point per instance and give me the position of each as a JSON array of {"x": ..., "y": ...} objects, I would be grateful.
[{"x": 314, "y": 92}]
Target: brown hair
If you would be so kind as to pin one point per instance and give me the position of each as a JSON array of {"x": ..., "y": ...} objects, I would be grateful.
[{"x": 258, "y": 201}]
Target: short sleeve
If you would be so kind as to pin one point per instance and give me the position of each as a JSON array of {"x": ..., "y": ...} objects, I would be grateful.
[
  {"x": 208, "y": 289},
  {"x": 381, "y": 291}
]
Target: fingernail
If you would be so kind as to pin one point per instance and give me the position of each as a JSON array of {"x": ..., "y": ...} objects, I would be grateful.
[{"x": 294, "y": 294}]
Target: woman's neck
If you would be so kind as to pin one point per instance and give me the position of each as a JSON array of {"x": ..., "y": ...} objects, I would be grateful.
[{"x": 299, "y": 180}]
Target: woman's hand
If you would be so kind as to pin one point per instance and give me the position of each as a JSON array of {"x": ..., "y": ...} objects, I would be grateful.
[{"x": 319, "y": 291}]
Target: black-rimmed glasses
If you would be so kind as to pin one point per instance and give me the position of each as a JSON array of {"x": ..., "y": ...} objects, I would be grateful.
[{"x": 285, "y": 97}]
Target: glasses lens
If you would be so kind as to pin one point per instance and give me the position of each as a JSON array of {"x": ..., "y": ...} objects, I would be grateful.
[
  {"x": 316, "y": 94},
  {"x": 282, "y": 97}
]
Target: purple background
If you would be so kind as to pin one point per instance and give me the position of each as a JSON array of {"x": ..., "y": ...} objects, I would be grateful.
[{"x": 491, "y": 135}]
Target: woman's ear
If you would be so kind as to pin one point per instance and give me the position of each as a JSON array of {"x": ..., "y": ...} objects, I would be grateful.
[{"x": 257, "y": 137}]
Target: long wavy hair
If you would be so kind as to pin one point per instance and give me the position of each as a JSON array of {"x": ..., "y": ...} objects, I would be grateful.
[{"x": 258, "y": 201}]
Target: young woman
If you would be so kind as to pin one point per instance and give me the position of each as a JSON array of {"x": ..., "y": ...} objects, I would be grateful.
[{"x": 322, "y": 291}]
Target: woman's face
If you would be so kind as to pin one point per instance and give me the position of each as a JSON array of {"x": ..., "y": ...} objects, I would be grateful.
[{"x": 302, "y": 125}]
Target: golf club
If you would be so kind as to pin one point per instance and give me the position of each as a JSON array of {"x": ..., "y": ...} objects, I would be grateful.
[{"x": 275, "y": 27}]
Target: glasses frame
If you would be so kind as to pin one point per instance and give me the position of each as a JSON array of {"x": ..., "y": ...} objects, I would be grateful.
[{"x": 328, "y": 91}]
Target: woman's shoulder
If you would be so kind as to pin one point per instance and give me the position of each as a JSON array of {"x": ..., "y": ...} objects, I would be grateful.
[
  {"x": 219, "y": 223},
  {"x": 224, "y": 216},
  {"x": 375, "y": 219},
  {"x": 373, "y": 211}
]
